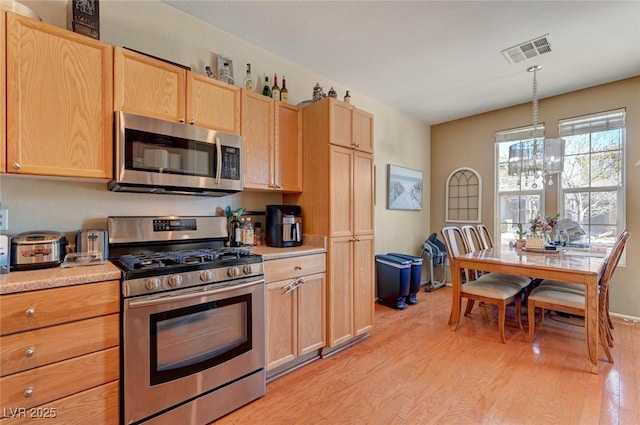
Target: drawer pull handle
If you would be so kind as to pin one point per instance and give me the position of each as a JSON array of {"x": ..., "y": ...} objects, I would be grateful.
[
  {"x": 30, "y": 312},
  {"x": 28, "y": 392},
  {"x": 298, "y": 267},
  {"x": 29, "y": 352}
]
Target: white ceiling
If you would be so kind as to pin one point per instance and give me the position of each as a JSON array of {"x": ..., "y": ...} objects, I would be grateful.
[{"x": 440, "y": 60}]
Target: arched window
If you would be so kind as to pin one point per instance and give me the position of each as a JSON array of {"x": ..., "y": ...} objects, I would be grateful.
[{"x": 464, "y": 196}]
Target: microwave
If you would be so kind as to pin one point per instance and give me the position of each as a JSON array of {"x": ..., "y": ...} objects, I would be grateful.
[{"x": 158, "y": 156}]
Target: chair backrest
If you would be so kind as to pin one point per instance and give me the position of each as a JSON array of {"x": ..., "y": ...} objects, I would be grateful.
[
  {"x": 485, "y": 236},
  {"x": 473, "y": 238},
  {"x": 612, "y": 262},
  {"x": 457, "y": 246}
]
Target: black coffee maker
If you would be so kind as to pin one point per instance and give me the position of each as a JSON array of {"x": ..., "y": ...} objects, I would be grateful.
[{"x": 283, "y": 226}]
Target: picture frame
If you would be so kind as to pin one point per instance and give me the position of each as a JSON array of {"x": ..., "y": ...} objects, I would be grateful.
[
  {"x": 404, "y": 188},
  {"x": 221, "y": 61}
]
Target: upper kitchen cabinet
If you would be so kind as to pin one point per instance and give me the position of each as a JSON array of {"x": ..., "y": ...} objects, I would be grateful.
[
  {"x": 349, "y": 126},
  {"x": 272, "y": 144},
  {"x": 212, "y": 104},
  {"x": 3, "y": 93},
  {"x": 148, "y": 86},
  {"x": 59, "y": 104},
  {"x": 155, "y": 88}
]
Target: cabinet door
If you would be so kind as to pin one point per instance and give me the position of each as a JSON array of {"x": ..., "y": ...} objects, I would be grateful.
[
  {"x": 363, "y": 281},
  {"x": 3, "y": 95},
  {"x": 340, "y": 291},
  {"x": 213, "y": 104},
  {"x": 340, "y": 123},
  {"x": 281, "y": 324},
  {"x": 288, "y": 148},
  {"x": 148, "y": 86},
  {"x": 363, "y": 130},
  {"x": 311, "y": 314},
  {"x": 341, "y": 196},
  {"x": 363, "y": 193},
  {"x": 59, "y": 101},
  {"x": 257, "y": 130}
]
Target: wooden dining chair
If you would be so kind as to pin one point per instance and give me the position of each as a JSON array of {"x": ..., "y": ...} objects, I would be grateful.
[
  {"x": 474, "y": 243},
  {"x": 580, "y": 289},
  {"x": 567, "y": 299},
  {"x": 485, "y": 236},
  {"x": 487, "y": 288}
]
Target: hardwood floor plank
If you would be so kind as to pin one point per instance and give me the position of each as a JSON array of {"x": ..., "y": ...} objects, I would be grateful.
[{"x": 414, "y": 369}]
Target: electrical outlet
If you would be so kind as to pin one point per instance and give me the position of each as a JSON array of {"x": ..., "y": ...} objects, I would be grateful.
[{"x": 4, "y": 219}]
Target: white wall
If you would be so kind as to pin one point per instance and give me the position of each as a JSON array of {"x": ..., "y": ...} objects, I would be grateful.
[{"x": 155, "y": 28}]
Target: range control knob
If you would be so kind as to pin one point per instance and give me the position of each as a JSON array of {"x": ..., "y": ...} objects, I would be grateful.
[
  {"x": 233, "y": 272},
  {"x": 206, "y": 276},
  {"x": 175, "y": 280},
  {"x": 152, "y": 283},
  {"x": 248, "y": 269}
]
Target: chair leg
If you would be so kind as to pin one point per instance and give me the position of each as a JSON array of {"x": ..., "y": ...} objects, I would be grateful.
[
  {"x": 502, "y": 307},
  {"x": 519, "y": 311},
  {"x": 531, "y": 315},
  {"x": 470, "y": 303},
  {"x": 603, "y": 339},
  {"x": 608, "y": 316},
  {"x": 541, "y": 318}
]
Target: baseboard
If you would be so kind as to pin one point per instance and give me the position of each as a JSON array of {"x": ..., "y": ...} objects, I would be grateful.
[{"x": 625, "y": 318}]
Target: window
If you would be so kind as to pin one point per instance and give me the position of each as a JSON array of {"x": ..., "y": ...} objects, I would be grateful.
[
  {"x": 592, "y": 183},
  {"x": 520, "y": 199}
]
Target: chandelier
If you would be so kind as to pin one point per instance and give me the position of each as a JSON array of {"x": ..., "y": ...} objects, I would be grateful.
[{"x": 537, "y": 158}]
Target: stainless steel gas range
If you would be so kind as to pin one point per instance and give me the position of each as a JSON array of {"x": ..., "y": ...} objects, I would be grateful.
[{"x": 193, "y": 320}]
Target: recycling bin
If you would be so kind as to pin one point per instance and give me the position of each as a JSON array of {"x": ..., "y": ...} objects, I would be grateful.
[
  {"x": 392, "y": 280},
  {"x": 416, "y": 275}
]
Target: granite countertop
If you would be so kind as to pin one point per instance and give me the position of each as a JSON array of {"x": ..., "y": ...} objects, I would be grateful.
[
  {"x": 31, "y": 280},
  {"x": 311, "y": 244}
]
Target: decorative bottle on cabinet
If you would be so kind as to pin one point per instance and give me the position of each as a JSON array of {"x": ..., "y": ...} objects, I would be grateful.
[
  {"x": 266, "y": 90},
  {"x": 275, "y": 90},
  {"x": 249, "y": 82},
  {"x": 284, "y": 93}
]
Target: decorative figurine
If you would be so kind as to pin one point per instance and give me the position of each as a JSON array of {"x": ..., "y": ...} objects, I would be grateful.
[
  {"x": 332, "y": 93},
  {"x": 318, "y": 93},
  {"x": 347, "y": 98}
]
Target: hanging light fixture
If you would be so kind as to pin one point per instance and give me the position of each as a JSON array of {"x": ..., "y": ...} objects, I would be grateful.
[{"x": 538, "y": 157}]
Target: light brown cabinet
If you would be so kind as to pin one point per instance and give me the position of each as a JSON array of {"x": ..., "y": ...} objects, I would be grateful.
[
  {"x": 272, "y": 144},
  {"x": 59, "y": 101},
  {"x": 296, "y": 326},
  {"x": 151, "y": 87},
  {"x": 60, "y": 353},
  {"x": 340, "y": 206},
  {"x": 3, "y": 93}
]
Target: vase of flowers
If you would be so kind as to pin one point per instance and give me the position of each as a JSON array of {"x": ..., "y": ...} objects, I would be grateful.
[{"x": 545, "y": 226}]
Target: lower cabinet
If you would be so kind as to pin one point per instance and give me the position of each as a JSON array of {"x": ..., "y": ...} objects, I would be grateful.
[
  {"x": 60, "y": 355},
  {"x": 296, "y": 300}
]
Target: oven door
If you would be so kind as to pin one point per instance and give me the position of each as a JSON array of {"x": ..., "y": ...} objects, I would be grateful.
[{"x": 184, "y": 344}]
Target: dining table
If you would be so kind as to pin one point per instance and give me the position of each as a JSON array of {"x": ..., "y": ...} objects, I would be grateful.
[{"x": 576, "y": 267}]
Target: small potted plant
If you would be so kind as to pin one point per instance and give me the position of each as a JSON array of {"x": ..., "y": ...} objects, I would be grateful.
[{"x": 521, "y": 242}]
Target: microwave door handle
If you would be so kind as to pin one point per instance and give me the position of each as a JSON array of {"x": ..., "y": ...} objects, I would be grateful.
[{"x": 219, "y": 160}]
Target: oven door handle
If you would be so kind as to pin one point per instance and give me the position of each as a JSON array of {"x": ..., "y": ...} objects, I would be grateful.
[{"x": 190, "y": 295}]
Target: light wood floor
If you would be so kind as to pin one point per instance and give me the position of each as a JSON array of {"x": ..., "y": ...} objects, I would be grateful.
[{"x": 415, "y": 370}]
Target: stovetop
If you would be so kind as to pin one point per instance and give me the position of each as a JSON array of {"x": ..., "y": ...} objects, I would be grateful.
[{"x": 161, "y": 260}]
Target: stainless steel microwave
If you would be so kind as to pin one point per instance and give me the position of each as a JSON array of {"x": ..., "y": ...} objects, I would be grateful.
[{"x": 157, "y": 156}]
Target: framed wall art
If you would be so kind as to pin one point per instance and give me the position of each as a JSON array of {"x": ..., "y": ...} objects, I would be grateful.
[
  {"x": 464, "y": 196},
  {"x": 404, "y": 189}
]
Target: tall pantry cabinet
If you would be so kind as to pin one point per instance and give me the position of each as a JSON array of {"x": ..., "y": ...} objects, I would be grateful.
[{"x": 337, "y": 202}]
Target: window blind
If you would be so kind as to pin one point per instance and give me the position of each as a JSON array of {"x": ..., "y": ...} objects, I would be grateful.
[
  {"x": 521, "y": 133},
  {"x": 610, "y": 120}
]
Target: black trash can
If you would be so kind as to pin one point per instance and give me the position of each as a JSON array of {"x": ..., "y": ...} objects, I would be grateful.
[
  {"x": 392, "y": 280},
  {"x": 416, "y": 275}
]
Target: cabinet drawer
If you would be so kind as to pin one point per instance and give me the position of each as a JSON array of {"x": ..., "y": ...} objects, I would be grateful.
[
  {"x": 26, "y": 350},
  {"x": 37, "y": 309},
  {"x": 59, "y": 380},
  {"x": 290, "y": 268},
  {"x": 97, "y": 406}
]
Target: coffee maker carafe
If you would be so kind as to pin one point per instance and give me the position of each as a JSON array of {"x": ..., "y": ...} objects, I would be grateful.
[{"x": 283, "y": 226}]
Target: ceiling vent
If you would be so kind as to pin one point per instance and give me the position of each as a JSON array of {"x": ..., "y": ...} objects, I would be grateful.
[{"x": 528, "y": 50}]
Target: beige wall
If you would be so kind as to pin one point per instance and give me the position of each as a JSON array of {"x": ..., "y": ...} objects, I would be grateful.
[
  {"x": 469, "y": 142},
  {"x": 155, "y": 28}
]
